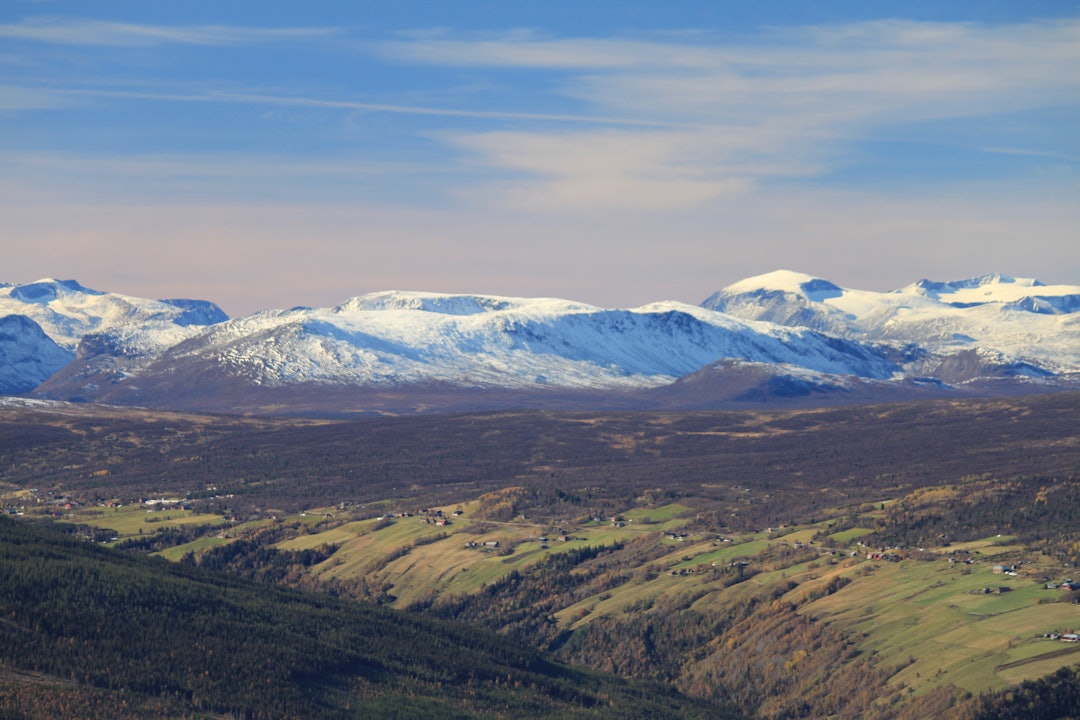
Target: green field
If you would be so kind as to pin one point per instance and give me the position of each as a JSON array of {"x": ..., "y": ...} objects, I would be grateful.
[
  {"x": 134, "y": 520},
  {"x": 846, "y": 536},
  {"x": 663, "y": 514},
  {"x": 175, "y": 553},
  {"x": 938, "y": 616},
  {"x": 930, "y": 615},
  {"x": 446, "y": 564}
]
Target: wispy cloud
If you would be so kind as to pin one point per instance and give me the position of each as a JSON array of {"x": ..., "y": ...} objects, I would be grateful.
[
  {"x": 613, "y": 170},
  {"x": 1029, "y": 152},
  {"x": 650, "y": 125},
  {"x": 782, "y": 106},
  {"x": 75, "y": 31},
  {"x": 871, "y": 69},
  {"x": 228, "y": 166},
  {"x": 601, "y": 170},
  {"x": 308, "y": 102},
  {"x": 524, "y": 51}
]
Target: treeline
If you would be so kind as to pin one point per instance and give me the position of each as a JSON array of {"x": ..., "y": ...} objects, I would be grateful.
[
  {"x": 745, "y": 648},
  {"x": 92, "y": 624},
  {"x": 758, "y": 654},
  {"x": 252, "y": 558},
  {"x": 522, "y": 603},
  {"x": 1055, "y": 697},
  {"x": 255, "y": 558},
  {"x": 1043, "y": 512},
  {"x": 165, "y": 538}
]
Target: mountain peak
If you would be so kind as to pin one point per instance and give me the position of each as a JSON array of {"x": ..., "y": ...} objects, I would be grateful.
[
  {"x": 786, "y": 281},
  {"x": 426, "y": 302},
  {"x": 460, "y": 305},
  {"x": 67, "y": 312},
  {"x": 992, "y": 288},
  {"x": 925, "y": 286},
  {"x": 46, "y": 290},
  {"x": 196, "y": 312}
]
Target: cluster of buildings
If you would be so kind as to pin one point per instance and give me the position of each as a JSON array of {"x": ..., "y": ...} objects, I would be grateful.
[
  {"x": 1070, "y": 585},
  {"x": 1063, "y": 637}
]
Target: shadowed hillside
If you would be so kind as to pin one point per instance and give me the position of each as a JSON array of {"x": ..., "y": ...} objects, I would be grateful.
[{"x": 88, "y": 632}]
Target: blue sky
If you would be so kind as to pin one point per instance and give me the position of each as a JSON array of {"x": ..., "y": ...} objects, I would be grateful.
[{"x": 268, "y": 154}]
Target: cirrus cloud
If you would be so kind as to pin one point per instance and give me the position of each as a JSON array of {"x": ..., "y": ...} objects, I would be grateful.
[
  {"x": 79, "y": 31},
  {"x": 786, "y": 106}
]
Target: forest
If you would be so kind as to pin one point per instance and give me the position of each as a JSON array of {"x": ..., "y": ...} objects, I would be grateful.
[{"x": 93, "y": 632}]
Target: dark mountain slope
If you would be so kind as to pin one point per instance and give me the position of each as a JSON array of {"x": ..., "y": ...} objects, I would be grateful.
[{"x": 87, "y": 632}]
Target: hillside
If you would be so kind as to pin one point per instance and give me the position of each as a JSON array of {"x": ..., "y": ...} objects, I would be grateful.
[
  {"x": 93, "y": 633},
  {"x": 806, "y": 562}
]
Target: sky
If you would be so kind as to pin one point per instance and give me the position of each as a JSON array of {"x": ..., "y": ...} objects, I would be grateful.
[{"x": 269, "y": 154}]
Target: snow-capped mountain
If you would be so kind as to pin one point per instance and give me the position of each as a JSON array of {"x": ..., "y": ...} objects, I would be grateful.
[
  {"x": 67, "y": 312},
  {"x": 395, "y": 339},
  {"x": 988, "y": 325},
  {"x": 28, "y": 357},
  {"x": 782, "y": 337},
  {"x": 113, "y": 334}
]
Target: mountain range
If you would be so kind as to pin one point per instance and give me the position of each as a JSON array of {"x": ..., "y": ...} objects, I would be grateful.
[{"x": 780, "y": 338}]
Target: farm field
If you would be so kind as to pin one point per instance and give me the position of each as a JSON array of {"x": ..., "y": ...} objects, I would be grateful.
[
  {"x": 940, "y": 621},
  {"x": 134, "y": 520},
  {"x": 952, "y": 622}
]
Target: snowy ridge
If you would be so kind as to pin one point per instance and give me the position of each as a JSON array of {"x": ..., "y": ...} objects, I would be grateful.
[
  {"x": 474, "y": 341},
  {"x": 786, "y": 281},
  {"x": 66, "y": 311},
  {"x": 1007, "y": 321},
  {"x": 117, "y": 333},
  {"x": 778, "y": 337},
  {"x": 447, "y": 304},
  {"x": 1024, "y": 293}
]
